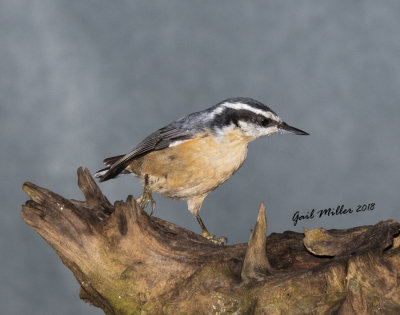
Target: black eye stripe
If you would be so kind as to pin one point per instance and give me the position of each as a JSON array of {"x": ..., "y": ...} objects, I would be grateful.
[{"x": 235, "y": 116}]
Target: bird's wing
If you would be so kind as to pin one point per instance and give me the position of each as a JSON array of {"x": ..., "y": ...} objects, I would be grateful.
[{"x": 158, "y": 140}]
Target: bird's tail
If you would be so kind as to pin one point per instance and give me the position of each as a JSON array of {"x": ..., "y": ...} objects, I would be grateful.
[
  {"x": 108, "y": 162},
  {"x": 100, "y": 173}
]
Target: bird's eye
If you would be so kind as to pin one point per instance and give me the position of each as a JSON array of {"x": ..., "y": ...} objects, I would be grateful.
[{"x": 265, "y": 122}]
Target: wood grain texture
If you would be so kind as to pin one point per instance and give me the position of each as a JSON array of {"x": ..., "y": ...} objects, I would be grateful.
[{"x": 127, "y": 262}]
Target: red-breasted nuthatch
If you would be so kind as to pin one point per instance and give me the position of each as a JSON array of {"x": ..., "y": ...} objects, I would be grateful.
[{"x": 192, "y": 156}]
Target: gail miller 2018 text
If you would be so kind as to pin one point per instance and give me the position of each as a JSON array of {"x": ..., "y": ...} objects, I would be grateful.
[{"x": 329, "y": 212}]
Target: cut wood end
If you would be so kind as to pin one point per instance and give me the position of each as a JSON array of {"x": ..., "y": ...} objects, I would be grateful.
[
  {"x": 317, "y": 235},
  {"x": 319, "y": 242}
]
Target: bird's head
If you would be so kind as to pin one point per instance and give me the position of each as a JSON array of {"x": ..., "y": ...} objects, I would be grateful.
[{"x": 249, "y": 117}]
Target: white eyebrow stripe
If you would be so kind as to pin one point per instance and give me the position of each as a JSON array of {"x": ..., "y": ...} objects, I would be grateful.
[
  {"x": 244, "y": 106},
  {"x": 239, "y": 106}
]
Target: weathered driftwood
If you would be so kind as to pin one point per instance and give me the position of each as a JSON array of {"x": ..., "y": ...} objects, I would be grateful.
[{"x": 128, "y": 262}]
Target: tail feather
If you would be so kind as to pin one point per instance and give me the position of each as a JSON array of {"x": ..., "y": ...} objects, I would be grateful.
[
  {"x": 101, "y": 172},
  {"x": 104, "y": 174},
  {"x": 111, "y": 160}
]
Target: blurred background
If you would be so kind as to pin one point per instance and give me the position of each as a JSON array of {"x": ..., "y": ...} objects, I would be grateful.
[{"x": 81, "y": 80}]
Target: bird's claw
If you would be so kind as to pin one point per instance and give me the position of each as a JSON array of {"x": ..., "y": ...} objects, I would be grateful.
[
  {"x": 145, "y": 199},
  {"x": 216, "y": 240}
]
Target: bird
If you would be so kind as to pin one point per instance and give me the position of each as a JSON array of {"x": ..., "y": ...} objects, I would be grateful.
[{"x": 192, "y": 156}]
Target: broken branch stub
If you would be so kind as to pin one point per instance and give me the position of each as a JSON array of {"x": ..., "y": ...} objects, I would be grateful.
[{"x": 256, "y": 265}]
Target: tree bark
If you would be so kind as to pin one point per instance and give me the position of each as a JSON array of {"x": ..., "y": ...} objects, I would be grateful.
[{"x": 128, "y": 262}]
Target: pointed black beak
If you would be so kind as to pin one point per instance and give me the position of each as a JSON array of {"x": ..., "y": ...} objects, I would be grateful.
[{"x": 285, "y": 128}]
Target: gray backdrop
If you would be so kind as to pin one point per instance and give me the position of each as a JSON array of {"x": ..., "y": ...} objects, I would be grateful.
[{"x": 83, "y": 80}]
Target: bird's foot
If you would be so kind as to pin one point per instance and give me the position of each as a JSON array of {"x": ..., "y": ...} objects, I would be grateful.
[
  {"x": 216, "y": 240},
  {"x": 145, "y": 199}
]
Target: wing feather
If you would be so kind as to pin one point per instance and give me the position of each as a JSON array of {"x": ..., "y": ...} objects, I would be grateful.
[{"x": 158, "y": 140}]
